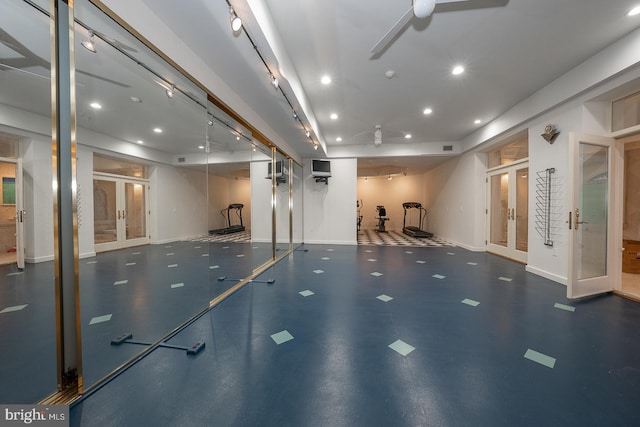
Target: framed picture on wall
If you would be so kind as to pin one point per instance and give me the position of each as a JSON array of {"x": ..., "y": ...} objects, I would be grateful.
[{"x": 8, "y": 190}]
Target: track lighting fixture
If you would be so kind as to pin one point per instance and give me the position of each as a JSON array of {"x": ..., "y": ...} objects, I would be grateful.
[
  {"x": 236, "y": 22},
  {"x": 308, "y": 134},
  {"x": 315, "y": 146},
  {"x": 275, "y": 82},
  {"x": 390, "y": 177},
  {"x": 169, "y": 91},
  {"x": 88, "y": 44}
]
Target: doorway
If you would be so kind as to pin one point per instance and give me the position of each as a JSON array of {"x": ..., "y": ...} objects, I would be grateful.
[
  {"x": 630, "y": 284},
  {"x": 120, "y": 212},
  {"x": 11, "y": 213},
  {"x": 508, "y": 212}
]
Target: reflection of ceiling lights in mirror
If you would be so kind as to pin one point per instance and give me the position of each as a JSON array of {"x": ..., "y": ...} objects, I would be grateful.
[
  {"x": 325, "y": 80},
  {"x": 407, "y": 136},
  {"x": 157, "y": 130},
  {"x": 477, "y": 121},
  {"x": 170, "y": 91},
  {"x": 201, "y": 147},
  {"x": 95, "y": 106},
  {"x": 135, "y": 99},
  {"x": 88, "y": 44},
  {"x": 457, "y": 70},
  {"x": 338, "y": 139},
  {"x": 334, "y": 116},
  {"x": 140, "y": 141},
  {"x": 427, "y": 111}
]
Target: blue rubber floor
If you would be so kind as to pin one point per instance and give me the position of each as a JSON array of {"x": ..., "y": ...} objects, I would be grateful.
[
  {"x": 389, "y": 336},
  {"x": 146, "y": 291}
]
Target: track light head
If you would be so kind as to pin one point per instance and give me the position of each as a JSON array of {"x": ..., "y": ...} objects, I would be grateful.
[
  {"x": 315, "y": 146},
  {"x": 236, "y": 22},
  {"x": 275, "y": 82},
  {"x": 89, "y": 44}
]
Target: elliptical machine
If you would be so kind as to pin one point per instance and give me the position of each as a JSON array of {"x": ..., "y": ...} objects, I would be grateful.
[{"x": 382, "y": 218}]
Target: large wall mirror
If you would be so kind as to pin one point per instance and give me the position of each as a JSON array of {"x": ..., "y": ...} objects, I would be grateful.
[
  {"x": 27, "y": 315},
  {"x": 174, "y": 198}
]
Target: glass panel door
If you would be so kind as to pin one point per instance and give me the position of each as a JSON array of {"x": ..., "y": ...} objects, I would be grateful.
[
  {"x": 500, "y": 214},
  {"x": 135, "y": 214},
  {"x": 104, "y": 211},
  {"x": 589, "y": 218},
  {"x": 522, "y": 209},
  {"x": 508, "y": 213},
  {"x": 120, "y": 213}
]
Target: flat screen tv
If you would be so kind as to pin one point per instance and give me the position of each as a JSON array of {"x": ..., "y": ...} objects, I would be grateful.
[{"x": 320, "y": 167}]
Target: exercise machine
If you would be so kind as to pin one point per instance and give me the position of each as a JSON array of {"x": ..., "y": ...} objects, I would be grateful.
[
  {"x": 226, "y": 213},
  {"x": 382, "y": 218},
  {"x": 413, "y": 230}
]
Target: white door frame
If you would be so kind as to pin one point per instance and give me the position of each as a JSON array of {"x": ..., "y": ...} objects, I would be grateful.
[
  {"x": 509, "y": 251},
  {"x": 20, "y": 213},
  {"x": 121, "y": 240},
  {"x": 577, "y": 288}
]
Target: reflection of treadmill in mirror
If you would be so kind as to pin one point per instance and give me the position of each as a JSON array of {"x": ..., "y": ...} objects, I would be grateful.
[
  {"x": 226, "y": 212},
  {"x": 281, "y": 172},
  {"x": 412, "y": 230}
]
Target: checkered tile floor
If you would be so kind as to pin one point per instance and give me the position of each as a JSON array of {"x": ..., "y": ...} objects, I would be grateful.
[
  {"x": 239, "y": 237},
  {"x": 395, "y": 238}
]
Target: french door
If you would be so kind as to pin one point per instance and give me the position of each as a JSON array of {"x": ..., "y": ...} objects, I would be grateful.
[
  {"x": 508, "y": 211},
  {"x": 120, "y": 213},
  {"x": 590, "y": 218}
]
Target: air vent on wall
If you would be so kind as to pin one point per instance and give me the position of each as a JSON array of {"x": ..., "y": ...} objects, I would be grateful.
[
  {"x": 181, "y": 159},
  {"x": 447, "y": 148}
]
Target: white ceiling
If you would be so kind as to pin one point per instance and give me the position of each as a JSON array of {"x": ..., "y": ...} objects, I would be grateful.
[{"x": 509, "y": 48}]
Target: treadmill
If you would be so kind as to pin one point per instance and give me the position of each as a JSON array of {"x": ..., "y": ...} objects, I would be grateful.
[
  {"x": 413, "y": 230},
  {"x": 226, "y": 213}
]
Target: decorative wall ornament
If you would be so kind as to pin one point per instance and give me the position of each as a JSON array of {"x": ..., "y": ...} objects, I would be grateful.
[{"x": 550, "y": 133}]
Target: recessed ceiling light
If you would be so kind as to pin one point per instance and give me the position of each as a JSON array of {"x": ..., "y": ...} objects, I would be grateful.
[
  {"x": 157, "y": 130},
  {"x": 95, "y": 106},
  {"x": 633, "y": 12},
  {"x": 325, "y": 80},
  {"x": 427, "y": 111},
  {"x": 201, "y": 147},
  {"x": 140, "y": 141},
  {"x": 338, "y": 139},
  {"x": 457, "y": 70},
  {"x": 407, "y": 136},
  {"x": 135, "y": 99},
  {"x": 477, "y": 121},
  {"x": 334, "y": 116}
]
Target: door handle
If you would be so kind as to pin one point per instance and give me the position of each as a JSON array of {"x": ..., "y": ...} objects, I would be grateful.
[
  {"x": 122, "y": 213},
  {"x": 118, "y": 214},
  {"x": 513, "y": 214},
  {"x": 570, "y": 217},
  {"x": 578, "y": 218},
  {"x": 508, "y": 214}
]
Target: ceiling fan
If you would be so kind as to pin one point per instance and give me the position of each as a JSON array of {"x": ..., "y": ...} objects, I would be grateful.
[{"x": 420, "y": 9}]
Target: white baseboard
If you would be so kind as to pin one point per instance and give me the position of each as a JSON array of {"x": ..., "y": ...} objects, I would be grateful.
[
  {"x": 469, "y": 248},
  {"x": 88, "y": 255},
  {"x": 547, "y": 275},
  {"x": 331, "y": 242},
  {"x": 36, "y": 260}
]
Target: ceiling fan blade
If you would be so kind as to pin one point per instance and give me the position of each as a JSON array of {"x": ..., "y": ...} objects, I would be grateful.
[{"x": 393, "y": 32}]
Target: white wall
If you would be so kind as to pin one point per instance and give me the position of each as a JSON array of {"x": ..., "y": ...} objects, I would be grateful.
[
  {"x": 261, "y": 218},
  {"x": 178, "y": 199},
  {"x": 455, "y": 196},
  {"x": 379, "y": 190},
  {"x": 37, "y": 166},
  {"x": 330, "y": 210}
]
